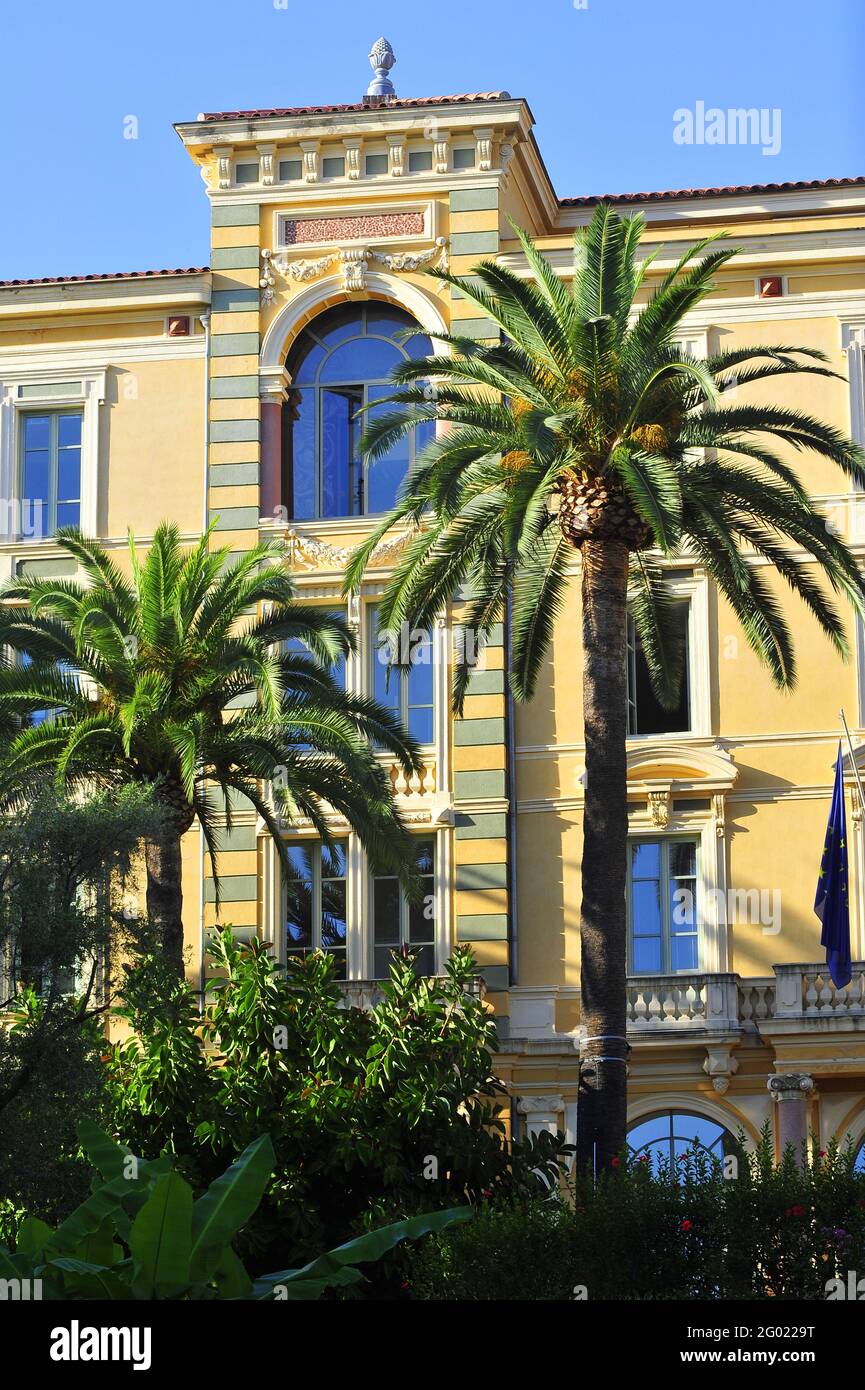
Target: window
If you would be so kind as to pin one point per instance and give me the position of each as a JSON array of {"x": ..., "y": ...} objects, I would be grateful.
[
  {"x": 645, "y": 714},
  {"x": 662, "y": 907},
  {"x": 337, "y": 668},
  {"x": 333, "y": 167},
  {"x": 341, "y": 363},
  {"x": 419, "y": 161},
  {"x": 398, "y": 925},
  {"x": 464, "y": 158},
  {"x": 376, "y": 164},
  {"x": 290, "y": 169},
  {"x": 663, "y": 1139},
  {"x": 408, "y": 692},
  {"x": 315, "y": 901},
  {"x": 50, "y": 471},
  {"x": 246, "y": 173}
]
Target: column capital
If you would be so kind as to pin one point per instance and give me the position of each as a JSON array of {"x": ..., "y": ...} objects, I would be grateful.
[{"x": 791, "y": 1085}]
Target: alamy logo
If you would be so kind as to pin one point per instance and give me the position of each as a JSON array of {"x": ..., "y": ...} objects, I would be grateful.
[
  {"x": 77, "y": 1343},
  {"x": 854, "y": 1289},
  {"x": 738, "y": 125},
  {"x": 20, "y": 1290}
]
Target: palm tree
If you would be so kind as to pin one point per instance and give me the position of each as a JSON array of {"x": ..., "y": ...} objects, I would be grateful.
[
  {"x": 196, "y": 673},
  {"x": 589, "y": 429}
]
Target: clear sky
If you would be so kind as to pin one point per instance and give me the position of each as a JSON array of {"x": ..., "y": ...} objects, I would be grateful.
[{"x": 603, "y": 78}]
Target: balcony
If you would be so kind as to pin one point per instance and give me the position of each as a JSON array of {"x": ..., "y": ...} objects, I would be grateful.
[
  {"x": 798, "y": 994},
  {"x": 366, "y": 994},
  {"x": 796, "y": 998}
]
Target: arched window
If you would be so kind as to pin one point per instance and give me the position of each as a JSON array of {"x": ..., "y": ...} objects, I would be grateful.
[
  {"x": 340, "y": 364},
  {"x": 859, "y": 1160},
  {"x": 662, "y": 1139}
]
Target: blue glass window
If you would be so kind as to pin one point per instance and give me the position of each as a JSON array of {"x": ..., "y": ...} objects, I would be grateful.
[
  {"x": 662, "y": 907},
  {"x": 50, "y": 476},
  {"x": 315, "y": 901},
  {"x": 399, "y": 925},
  {"x": 341, "y": 364},
  {"x": 407, "y": 690},
  {"x": 663, "y": 1140}
]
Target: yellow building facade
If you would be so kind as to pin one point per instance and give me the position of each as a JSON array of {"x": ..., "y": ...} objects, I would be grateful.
[{"x": 227, "y": 394}]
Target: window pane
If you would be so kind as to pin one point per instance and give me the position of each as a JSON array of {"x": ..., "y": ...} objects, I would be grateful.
[
  {"x": 332, "y": 167},
  {"x": 385, "y": 475},
  {"x": 68, "y": 514},
  {"x": 37, "y": 475},
  {"x": 361, "y": 359},
  {"x": 683, "y": 859},
  {"x": 37, "y": 431},
  {"x": 69, "y": 475},
  {"x": 419, "y": 161},
  {"x": 646, "y": 908},
  {"x": 646, "y": 859},
  {"x": 376, "y": 164},
  {"x": 307, "y": 361},
  {"x": 650, "y": 716},
  {"x": 69, "y": 431},
  {"x": 464, "y": 159},
  {"x": 684, "y": 955},
  {"x": 289, "y": 169},
  {"x": 647, "y": 955},
  {"x": 339, "y": 457},
  {"x": 386, "y": 898},
  {"x": 333, "y": 924},
  {"x": 304, "y": 501}
]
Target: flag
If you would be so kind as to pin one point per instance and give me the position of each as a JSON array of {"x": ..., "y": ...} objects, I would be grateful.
[{"x": 832, "y": 903}]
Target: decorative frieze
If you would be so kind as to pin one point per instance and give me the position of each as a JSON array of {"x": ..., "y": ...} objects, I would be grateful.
[
  {"x": 311, "y": 553},
  {"x": 303, "y": 231},
  {"x": 353, "y": 261}
]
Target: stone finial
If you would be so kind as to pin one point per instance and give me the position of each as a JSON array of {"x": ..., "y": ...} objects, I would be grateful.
[{"x": 382, "y": 59}]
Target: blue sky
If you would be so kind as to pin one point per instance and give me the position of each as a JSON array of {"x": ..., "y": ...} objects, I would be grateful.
[{"x": 603, "y": 82}]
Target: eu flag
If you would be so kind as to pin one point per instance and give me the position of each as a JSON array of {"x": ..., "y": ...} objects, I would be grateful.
[{"x": 832, "y": 903}]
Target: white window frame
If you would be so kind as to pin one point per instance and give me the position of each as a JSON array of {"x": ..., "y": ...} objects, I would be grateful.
[
  {"x": 12, "y": 406},
  {"x": 694, "y": 590},
  {"x": 316, "y": 897},
  {"x": 679, "y": 837}
]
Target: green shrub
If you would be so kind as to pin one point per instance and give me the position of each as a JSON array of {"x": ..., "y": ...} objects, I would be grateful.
[
  {"x": 374, "y": 1115},
  {"x": 768, "y": 1232},
  {"x": 141, "y": 1235}
]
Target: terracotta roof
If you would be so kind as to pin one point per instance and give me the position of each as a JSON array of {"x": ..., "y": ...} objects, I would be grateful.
[
  {"x": 108, "y": 275},
  {"x": 672, "y": 195},
  {"x": 398, "y": 103}
]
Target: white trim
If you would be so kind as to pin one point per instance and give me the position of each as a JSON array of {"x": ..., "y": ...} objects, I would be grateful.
[
  {"x": 99, "y": 357},
  {"x": 295, "y": 311}
]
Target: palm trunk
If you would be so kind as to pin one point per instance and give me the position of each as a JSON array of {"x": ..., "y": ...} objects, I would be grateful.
[
  {"x": 165, "y": 891},
  {"x": 602, "y": 1100}
]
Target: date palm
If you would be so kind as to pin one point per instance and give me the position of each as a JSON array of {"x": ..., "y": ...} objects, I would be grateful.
[
  {"x": 589, "y": 434},
  {"x": 203, "y": 679}
]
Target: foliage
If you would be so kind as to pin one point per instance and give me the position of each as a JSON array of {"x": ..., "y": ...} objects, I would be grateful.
[
  {"x": 372, "y": 1114},
  {"x": 642, "y": 1233},
  {"x": 66, "y": 910},
  {"x": 590, "y": 419},
  {"x": 141, "y": 1235},
  {"x": 150, "y": 680}
]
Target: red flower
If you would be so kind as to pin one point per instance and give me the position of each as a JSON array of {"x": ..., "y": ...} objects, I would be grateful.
[
  {"x": 796, "y": 1211},
  {"x": 687, "y": 1225},
  {"x": 822, "y": 1153},
  {"x": 644, "y": 1158},
  {"x": 615, "y": 1162}
]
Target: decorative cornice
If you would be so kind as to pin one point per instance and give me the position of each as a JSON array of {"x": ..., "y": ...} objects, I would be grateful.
[{"x": 312, "y": 553}]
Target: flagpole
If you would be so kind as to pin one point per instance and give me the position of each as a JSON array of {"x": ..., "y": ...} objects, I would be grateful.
[{"x": 853, "y": 762}]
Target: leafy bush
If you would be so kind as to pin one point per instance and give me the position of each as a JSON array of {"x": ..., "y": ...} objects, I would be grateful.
[
  {"x": 643, "y": 1233},
  {"x": 373, "y": 1114},
  {"x": 65, "y": 867},
  {"x": 141, "y": 1236}
]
